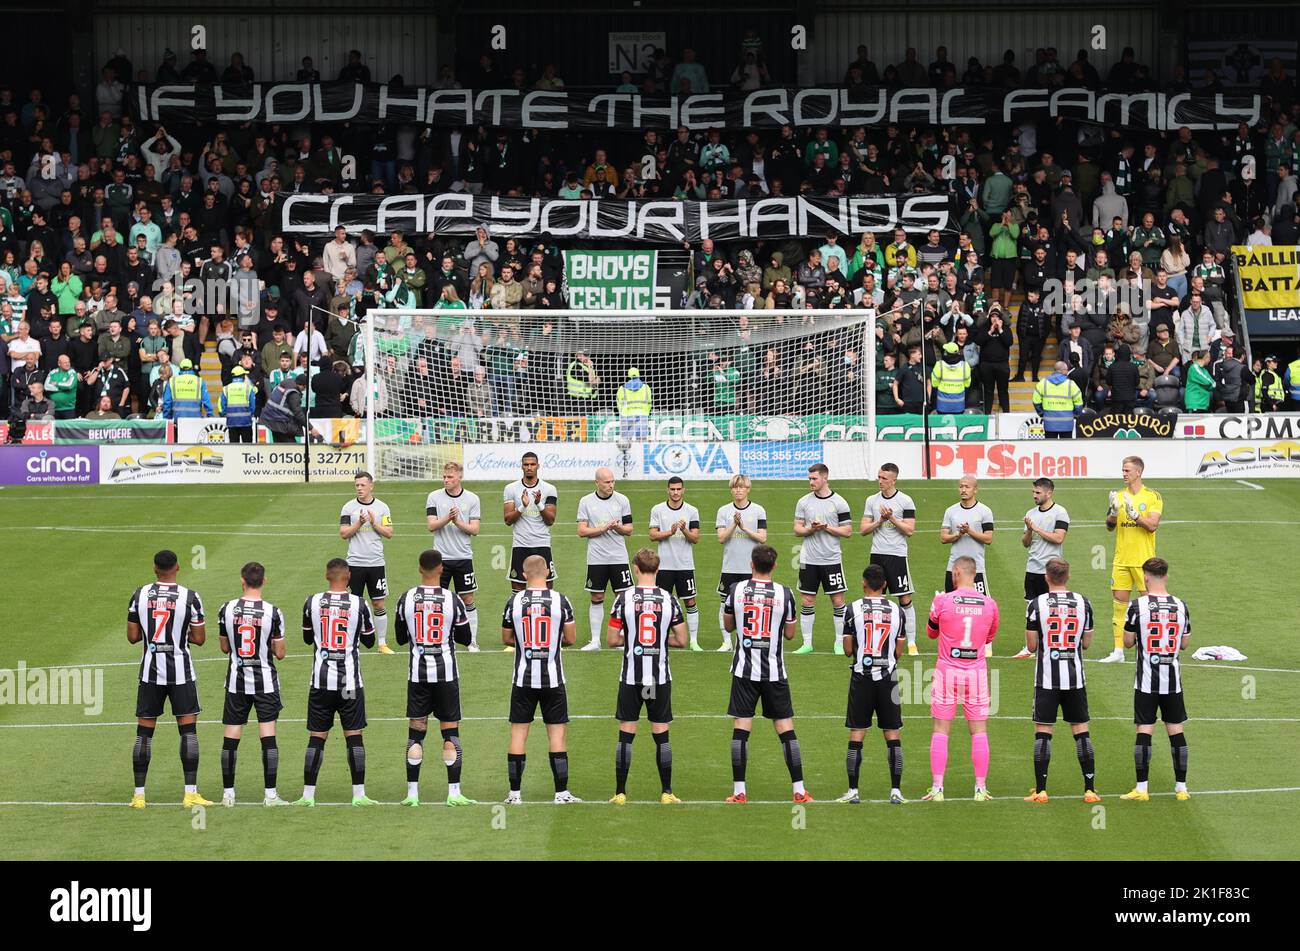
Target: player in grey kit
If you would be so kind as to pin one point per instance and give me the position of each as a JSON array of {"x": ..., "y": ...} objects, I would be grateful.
[
  {"x": 822, "y": 518},
  {"x": 604, "y": 520},
  {"x": 1045, "y": 527},
  {"x": 366, "y": 523}
]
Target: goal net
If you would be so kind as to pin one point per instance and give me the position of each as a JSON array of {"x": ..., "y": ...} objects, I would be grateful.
[{"x": 440, "y": 379}]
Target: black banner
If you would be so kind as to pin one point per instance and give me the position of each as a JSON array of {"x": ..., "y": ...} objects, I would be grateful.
[
  {"x": 763, "y": 108},
  {"x": 1137, "y": 425},
  {"x": 654, "y": 222}
]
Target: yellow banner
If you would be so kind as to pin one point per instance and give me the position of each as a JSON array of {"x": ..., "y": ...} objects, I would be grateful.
[{"x": 1270, "y": 276}]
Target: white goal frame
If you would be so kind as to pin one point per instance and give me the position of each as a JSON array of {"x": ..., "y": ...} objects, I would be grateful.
[{"x": 606, "y": 316}]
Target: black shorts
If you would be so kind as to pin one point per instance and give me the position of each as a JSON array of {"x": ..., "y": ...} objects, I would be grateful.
[
  {"x": 680, "y": 582},
  {"x": 184, "y": 699},
  {"x": 658, "y": 700},
  {"x": 728, "y": 579},
  {"x": 1073, "y": 704},
  {"x": 898, "y": 574},
  {"x": 238, "y": 705},
  {"x": 442, "y": 699},
  {"x": 1035, "y": 585},
  {"x": 368, "y": 580},
  {"x": 524, "y": 702},
  {"x": 867, "y": 696},
  {"x": 323, "y": 704},
  {"x": 459, "y": 575},
  {"x": 745, "y": 695},
  {"x": 830, "y": 578},
  {"x": 1170, "y": 706},
  {"x": 980, "y": 585},
  {"x": 600, "y": 577},
  {"x": 1002, "y": 273},
  {"x": 517, "y": 556}
]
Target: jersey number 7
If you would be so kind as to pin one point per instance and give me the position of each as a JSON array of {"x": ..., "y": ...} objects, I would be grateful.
[{"x": 161, "y": 621}]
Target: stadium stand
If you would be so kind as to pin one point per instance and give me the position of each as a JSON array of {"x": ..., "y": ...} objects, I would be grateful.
[{"x": 105, "y": 215}]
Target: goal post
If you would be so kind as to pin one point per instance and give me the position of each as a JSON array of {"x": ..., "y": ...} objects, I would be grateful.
[{"x": 437, "y": 379}]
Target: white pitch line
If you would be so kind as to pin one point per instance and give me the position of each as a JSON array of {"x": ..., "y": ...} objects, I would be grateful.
[
  {"x": 460, "y": 657},
  {"x": 684, "y": 802},
  {"x": 605, "y": 716},
  {"x": 1251, "y": 485}
]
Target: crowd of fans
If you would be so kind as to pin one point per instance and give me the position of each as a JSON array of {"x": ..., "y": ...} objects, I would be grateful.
[{"x": 125, "y": 249}]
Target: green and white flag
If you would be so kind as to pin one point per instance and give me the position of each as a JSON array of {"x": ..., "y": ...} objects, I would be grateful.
[{"x": 610, "y": 280}]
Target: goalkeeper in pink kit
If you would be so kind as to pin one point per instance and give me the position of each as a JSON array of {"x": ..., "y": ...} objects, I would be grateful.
[{"x": 963, "y": 620}]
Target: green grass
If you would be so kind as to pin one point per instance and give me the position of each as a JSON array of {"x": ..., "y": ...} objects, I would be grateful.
[{"x": 70, "y": 558}]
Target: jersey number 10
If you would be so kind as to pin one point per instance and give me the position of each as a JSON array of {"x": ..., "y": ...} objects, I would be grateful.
[{"x": 537, "y": 631}]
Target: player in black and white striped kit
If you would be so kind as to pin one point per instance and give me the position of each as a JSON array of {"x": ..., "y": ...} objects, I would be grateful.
[
  {"x": 1058, "y": 629},
  {"x": 761, "y": 612},
  {"x": 645, "y": 621},
  {"x": 251, "y": 631},
  {"x": 432, "y": 619},
  {"x": 874, "y": 631},
  {"x": 1160, "y": 625},
  {"x": 167, "y": 618},
  {"x": 536, "y": 622},
  {"x": 335, "y": 623},
  {"x": 454, "y": 517}
]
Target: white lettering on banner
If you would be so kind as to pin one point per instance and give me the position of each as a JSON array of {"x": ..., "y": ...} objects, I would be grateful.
[
  {"x": 697, "y": 460},
  {"x": 43, "y": 464},
  {"x": 672, "y": 429},
  {"x": 609, "y": 267},
  {"x": 764, "y": 108},
  {"x": 662, "y": 221}
]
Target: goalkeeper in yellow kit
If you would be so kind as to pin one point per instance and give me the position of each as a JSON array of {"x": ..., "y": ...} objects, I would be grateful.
[{"x": 1134, "y": 516}]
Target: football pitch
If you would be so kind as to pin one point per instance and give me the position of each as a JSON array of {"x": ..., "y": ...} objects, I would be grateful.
[{"x": 71, "y": 557}]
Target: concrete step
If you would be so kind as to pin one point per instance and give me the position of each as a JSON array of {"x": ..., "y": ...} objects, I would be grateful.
[{"x": 210, "y": 370}]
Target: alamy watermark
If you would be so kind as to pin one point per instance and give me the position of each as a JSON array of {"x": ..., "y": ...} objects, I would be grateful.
[{"x": 55, "y": 686}]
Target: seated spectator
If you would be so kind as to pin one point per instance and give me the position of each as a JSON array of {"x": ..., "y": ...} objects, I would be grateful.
[
  {"x": 104, "y": 409},
  {"x": 1163, "y": 352},
  {"x": 35, "y": 405}
]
